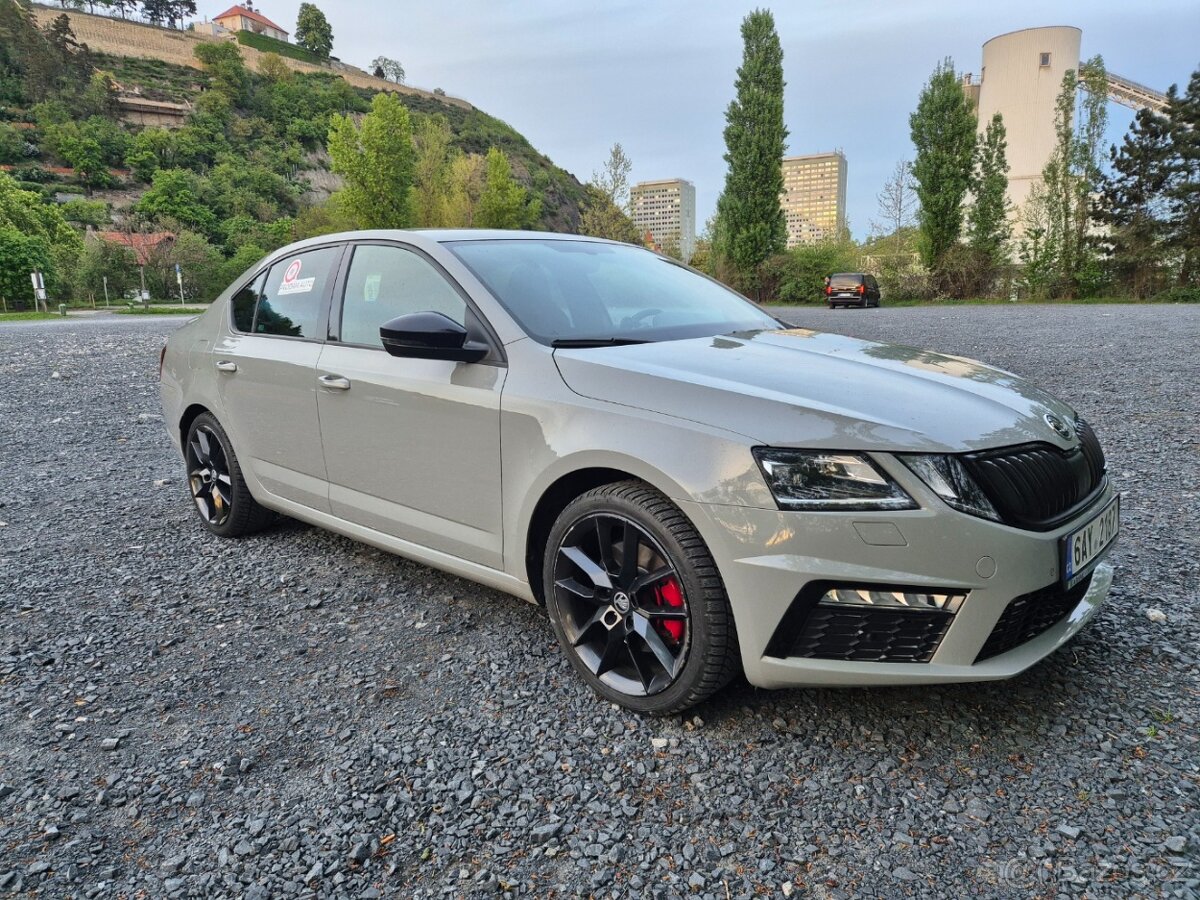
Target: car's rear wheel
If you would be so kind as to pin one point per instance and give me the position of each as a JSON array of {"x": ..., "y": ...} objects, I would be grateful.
[
  {"x": 636, "y": 600},
  {"x": 215, "y": 482}
]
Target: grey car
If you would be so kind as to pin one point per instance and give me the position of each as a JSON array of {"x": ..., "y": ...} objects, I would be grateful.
[{"x": 690, "y": 487}]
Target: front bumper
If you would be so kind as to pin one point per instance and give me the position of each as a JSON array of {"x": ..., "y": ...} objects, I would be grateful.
[{"x": 767, "y": 556}]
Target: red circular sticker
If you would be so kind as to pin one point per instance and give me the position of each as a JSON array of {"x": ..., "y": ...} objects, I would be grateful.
[{"x": 292, "y": 271}]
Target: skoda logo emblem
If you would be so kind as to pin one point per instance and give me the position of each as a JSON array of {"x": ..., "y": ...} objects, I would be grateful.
[
  {"x": 1059, "y": 427},
  {"x": 621, "y": 602}
]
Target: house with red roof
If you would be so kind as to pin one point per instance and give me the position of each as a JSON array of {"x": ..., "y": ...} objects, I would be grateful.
[
  {"x": 143, "y": 245},
  {"x": 247, "y": 18}
]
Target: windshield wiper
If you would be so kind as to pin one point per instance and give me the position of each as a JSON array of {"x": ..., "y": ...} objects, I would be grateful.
[{"x": 567, "y": 343}]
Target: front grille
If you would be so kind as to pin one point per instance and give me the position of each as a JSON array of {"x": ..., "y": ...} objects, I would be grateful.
[
  {"x": 1038, "y": 486},
  {"x": 866, "y": 635},
  {"x": 1029, "y": 615}
]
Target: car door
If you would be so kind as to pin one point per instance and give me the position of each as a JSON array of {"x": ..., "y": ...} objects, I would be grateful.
[
  {"x": 412, "y": 446},
  {"x": 266, "y": 371}
]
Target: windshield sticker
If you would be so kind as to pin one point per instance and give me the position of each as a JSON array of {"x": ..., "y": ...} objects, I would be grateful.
[
  {"x": 371, "y": 288},
  {"x": 293, "y": 283}
]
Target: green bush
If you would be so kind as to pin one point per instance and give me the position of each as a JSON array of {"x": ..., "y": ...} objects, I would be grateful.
[
  {"x": 1179, "y": 294},
  {"x": 798, "y": 276},
  {"x": 32, "y": 172},
  {"x": 85, "y": 212}
]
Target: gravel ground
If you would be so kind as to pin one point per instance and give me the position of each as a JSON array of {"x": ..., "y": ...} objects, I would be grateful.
[{"x": 298, "y": 715}]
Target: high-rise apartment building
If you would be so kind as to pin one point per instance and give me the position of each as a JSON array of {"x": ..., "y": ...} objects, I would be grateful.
[
  {"x": 667, "y": 211},
  {"x": 814, "y": 197}
]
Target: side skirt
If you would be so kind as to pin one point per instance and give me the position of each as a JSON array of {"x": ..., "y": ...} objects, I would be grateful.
[{"x": 492, "y": 578}]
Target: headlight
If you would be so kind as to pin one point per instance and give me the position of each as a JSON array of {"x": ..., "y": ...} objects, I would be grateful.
[
  {"x": 948, "y": 478},
  {"x": 818, "y": 480}
]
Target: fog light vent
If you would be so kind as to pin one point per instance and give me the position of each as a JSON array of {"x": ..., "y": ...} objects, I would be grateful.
[{"x": 876, "y": 599}]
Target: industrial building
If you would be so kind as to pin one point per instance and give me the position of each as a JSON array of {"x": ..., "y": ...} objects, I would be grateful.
[
  {"x": 814, "y": 197},
  {"x": 665, "y": 212},
  {"x": 1020, "y": 78}
]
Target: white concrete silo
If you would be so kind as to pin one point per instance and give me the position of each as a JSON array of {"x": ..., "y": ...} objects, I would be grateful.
[{"x": 1021, "y": 77}]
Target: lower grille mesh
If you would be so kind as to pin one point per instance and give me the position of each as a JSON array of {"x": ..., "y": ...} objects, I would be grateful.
[
  {"x": 1029, "y": 615},
  {"x": 870, "y": 635}
]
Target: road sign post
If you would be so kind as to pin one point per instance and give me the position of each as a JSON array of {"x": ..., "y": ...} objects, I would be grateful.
[
  {"x": 106, "y": 292},
  {"x": 179, "y": 281},
  {"x": 39, "y": 291}
]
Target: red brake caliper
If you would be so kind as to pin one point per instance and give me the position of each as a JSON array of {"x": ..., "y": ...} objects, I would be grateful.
[{"x": 670, "y": 594}]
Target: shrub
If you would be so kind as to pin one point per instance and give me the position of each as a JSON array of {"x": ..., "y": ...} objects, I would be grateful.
[
  {"x": 85, "y": 212},
  {"x": 798, "y": 276},
  {"x": 1179, "y": 294}
]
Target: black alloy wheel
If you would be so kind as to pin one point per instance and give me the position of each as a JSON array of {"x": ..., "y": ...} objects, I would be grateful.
[
  {"x": 218, "y": 490},
  {"x": 636, "y": 601},
  {"x": 622, "y": 606},
  {"x": 208, "y": 476}
]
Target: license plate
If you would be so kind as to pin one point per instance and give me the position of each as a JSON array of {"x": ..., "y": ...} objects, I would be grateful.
[{"x": 1083, "y": 547}]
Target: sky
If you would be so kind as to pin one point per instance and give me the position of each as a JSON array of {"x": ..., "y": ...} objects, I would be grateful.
[{"x": 574, "y": 77}]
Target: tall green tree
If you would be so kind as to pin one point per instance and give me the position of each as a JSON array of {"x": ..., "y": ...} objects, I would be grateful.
[
  {"x": 176, "y": 197},
  {"x": 377, "y": 161},
  {"x": 386, "y": 67},
  {"x": 313, "y": 31},
  {"x": 431, "y": 171},
  {"x": 20, "y": 255},
  {"x": 750, "y": 225},
  {"x": 38, "y": 237},
  {"x": 943, "y": 132},
  {"x": 504, "y": 202},
  {"x": 988, "y": 225},
  {"x": 1183, "y": 188},
  {"x": 1061, "y": 205},
  {"x": 1134, "y": 204},
  {"x": 607, "y": 214}
]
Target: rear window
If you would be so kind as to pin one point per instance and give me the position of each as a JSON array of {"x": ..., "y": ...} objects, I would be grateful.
[{"x": 846, "y": 279}]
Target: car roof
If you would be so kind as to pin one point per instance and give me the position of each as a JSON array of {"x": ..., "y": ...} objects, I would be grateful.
[{"x": 431, "y": 237}]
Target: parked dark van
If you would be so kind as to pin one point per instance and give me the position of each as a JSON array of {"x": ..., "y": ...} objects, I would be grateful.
[{"x": 852, "y": 289}]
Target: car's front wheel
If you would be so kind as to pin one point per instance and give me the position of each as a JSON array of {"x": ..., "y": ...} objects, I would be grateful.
[
  {"x": 215, "y": 482},
  {"x": 636, "y": 600}
]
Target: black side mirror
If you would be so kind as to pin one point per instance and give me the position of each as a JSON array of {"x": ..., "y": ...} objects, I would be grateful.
[{"x": 430, "y": 335}]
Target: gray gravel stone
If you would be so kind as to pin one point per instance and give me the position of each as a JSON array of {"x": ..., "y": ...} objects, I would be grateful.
[{"x": 447, "y": 711}]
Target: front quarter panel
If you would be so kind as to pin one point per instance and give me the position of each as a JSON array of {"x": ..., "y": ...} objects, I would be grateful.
[{"x": 548, "y": 432}]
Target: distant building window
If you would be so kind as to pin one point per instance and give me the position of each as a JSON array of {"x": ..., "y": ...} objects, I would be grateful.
[{"x": 1045, "y": 59}]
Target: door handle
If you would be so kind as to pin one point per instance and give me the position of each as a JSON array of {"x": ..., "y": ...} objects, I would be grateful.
[
  {"x": 334, "y": 382},
  {"x": 226, "y": 365}
]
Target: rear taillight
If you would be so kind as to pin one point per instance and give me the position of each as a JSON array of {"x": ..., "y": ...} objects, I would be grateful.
[
  {"x": 162, "y": 356},
  {"x": 862, "y": 288},
  {"x": 828, "y": 290}
]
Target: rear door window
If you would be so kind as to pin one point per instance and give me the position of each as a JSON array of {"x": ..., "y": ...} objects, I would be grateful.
[
  {"x": 292, "y": 300},
  {"x": 845, "y": 281}
]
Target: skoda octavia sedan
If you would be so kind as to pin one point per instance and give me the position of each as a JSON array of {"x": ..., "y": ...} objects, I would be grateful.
[{"x": 689, "y": 486}]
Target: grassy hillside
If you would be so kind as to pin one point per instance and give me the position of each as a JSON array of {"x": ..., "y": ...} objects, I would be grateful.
[
  {"x": 247, "y": 170},
  {"x": 474, "y": 131}
]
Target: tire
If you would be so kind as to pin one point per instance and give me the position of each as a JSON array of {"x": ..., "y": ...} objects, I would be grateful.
[
  {"x": 215, "y": 484},
  {"x": 617, "y": 644}
]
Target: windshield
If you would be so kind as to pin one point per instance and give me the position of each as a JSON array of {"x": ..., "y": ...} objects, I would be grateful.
[{"x": 584, "y": 291}]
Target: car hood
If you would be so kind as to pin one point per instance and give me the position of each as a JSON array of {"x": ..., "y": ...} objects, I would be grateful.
[{"x": 807, "y": 388}]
